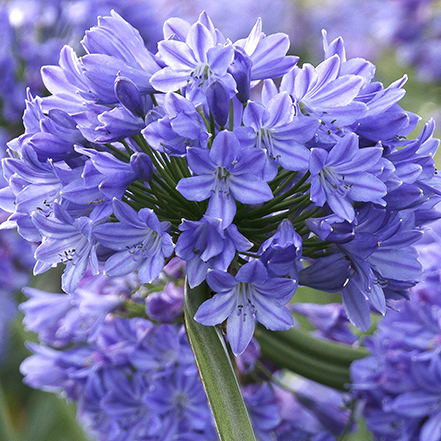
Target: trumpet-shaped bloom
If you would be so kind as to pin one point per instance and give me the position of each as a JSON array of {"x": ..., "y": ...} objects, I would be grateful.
[
  {"x": 65, "y": 240},
  {"x": 194, "y": 63},
  {"x": 141, "y": 242},
  {"x": 343, "y": 175},
  {"x": 226, "y": 173},
  {"x": 242, "y": 300},
  {"x": 275, "y": 129},
  {"x": 205, "y": 244}
]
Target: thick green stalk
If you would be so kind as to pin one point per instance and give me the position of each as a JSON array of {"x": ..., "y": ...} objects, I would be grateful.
[
  {"x": 225, "y": 398},
  {"x": 287, "y": 356},
  {"x": 328, "y": 351}
]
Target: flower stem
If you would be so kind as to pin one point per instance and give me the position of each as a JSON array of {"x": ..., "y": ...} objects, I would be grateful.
[
  {"x": 286, "y": 355},
  {"x": 220, "y": 383}
]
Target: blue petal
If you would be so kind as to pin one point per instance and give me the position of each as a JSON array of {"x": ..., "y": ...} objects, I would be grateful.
[
  {"x": 225, "y": 149},
  {"x": 253, "y": 272},
  {"x": 220, "y": 281},
  {"x": 271, "y": 314},
  {"x": 240, "y": 330},
  {"x": 222, "y": 206},
  {"x": 215, "y": 310},
  {"x": 120, "y": 264},
  {"x": 177, "y": 55},
  {"x": 199, "y": 40},
  {"x": 249, "y": 189},
  {"x": 196, "y": 188},
  {"x": 356, "y": 306},
  {"x": 415, "y": 404}
]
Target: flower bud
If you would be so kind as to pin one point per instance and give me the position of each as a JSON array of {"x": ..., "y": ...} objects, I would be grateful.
[
  {"x": 142, "y": 165},
  {"x": 218, "y": 102},
  {"x": 129, "y": 95},
  {"x": 240, "y": 68}
]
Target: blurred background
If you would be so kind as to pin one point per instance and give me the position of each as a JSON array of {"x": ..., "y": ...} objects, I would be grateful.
[{"x": 399, "y": 36}]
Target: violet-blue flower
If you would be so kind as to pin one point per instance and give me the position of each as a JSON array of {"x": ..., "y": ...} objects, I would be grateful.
[
  {"x": 278, "y": 131},
  {"x": 225, "y": 173},
  {"x": 207, "y": 244},
  {"x": 68, "y": 241},
  {"x": 248, "y": 297},
  {"x": 141, "y": 242},
  {"x": 194, "y": 63},
  {"x": 342, "y": 176}
]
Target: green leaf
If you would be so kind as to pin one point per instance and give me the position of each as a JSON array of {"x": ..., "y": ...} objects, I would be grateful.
[{"x": 214, "y": 364}]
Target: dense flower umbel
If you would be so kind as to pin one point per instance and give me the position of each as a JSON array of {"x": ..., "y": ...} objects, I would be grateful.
[
  {"x": 137, "y": 157},
  {"x": 134, "y": 379},
  {"x": 399, "y": 383}
]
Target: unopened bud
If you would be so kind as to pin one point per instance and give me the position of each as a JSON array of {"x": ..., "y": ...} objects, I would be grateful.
[
  {"x": 240, "y": 69},
  {"x": 129, "y": 95},
  {"x": 218, "y": 102},
  {"x": 142, "y": 165}
]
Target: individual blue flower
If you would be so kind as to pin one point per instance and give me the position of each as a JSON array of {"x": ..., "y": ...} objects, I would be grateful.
[
  {"x": 61, "y": 319},
  {"x": 114, "y": 47},
  {"x": 180, "y": 399},
  {"x": 326, "y": 93},
  {"x": 65, "y": 240},
  {"x": 225, "y": 173},
  {"x": 414, "y": 169},
  {"x": 165, "y": 306},
  {"x": 343, "y": 176},
  {"x": 206, "y": 244},
  {"x": 274, "y": 128},
  {"x": 195, "y": 63},
  {"x": 281, "y": 253},
  {"x": 263, "y": 409},
  {"x": 141, "y": 242},
  {"x": 36, "y": 186},
  {"x": 177, "y": 126},
  {"x": 243, "y": 299},
  {"x": 330, "y": 321},
  {"x": 267, "y": 53},
  {"x": 379, "y": 264}
]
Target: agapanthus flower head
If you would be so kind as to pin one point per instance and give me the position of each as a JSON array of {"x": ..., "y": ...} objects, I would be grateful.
[{"x": 135, "y": 158}]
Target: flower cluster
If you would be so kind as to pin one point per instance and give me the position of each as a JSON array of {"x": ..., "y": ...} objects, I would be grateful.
[
  {"x": 196, "y": 151},
  {"x": 132, "y": 379},
  {"x": 135, "y": 378},
  {"x": 399, "y": 383}
]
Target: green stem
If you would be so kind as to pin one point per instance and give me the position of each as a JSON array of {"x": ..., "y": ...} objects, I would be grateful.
[
  {"x": 118, "y": 153},
  {"x": 325, "y": 350},
  {"x": 282, "y": 201},
  {"x": 283, "y": 185},
  {"x": 231, "y": 116},
  {"x": 289, "y": 357},
  {"x": 279, "y": 178},
  {"x": 220, "y": 383}
]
